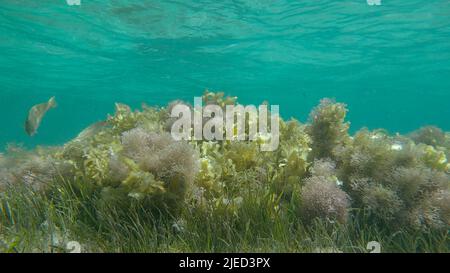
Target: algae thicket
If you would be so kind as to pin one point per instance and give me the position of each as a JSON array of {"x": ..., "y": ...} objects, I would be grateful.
[{"x": 126, "y": 185}]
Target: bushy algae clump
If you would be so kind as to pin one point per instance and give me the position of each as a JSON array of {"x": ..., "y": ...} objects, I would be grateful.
[
  {"x": 321, "y": 197},
  {"x": 132, "y": 156},
  {"x": 395, "y": 180},
  {"x": 319, "y": 173},
  {"x": 327, "y": 128}
]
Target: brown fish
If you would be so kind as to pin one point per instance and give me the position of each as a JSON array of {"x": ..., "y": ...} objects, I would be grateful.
[
  {"x": 36, "y": 114},
  {"x": 92, "y": 130}
]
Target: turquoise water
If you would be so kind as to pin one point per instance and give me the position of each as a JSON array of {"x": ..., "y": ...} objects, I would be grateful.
[{"x": 389, "y": 63}]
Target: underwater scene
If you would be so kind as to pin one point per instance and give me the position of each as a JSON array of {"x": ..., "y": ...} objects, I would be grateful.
[{"x": 235, "y": 126}]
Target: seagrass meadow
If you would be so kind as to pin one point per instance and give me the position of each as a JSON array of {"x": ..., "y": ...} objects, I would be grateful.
[
  {"x": 89, "y": 162},
  {"x": 124, "y": 185}
]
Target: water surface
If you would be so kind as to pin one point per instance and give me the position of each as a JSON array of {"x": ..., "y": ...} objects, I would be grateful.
[{"x": 389, "y": 63}]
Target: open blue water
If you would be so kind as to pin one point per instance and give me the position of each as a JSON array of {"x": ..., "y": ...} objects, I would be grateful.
[{"x": 389, "y": 63}]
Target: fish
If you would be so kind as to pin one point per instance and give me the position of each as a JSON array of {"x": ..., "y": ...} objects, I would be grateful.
[
  {"x": 91, "y": 130},
  {"x": 35, "y": 115}
]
